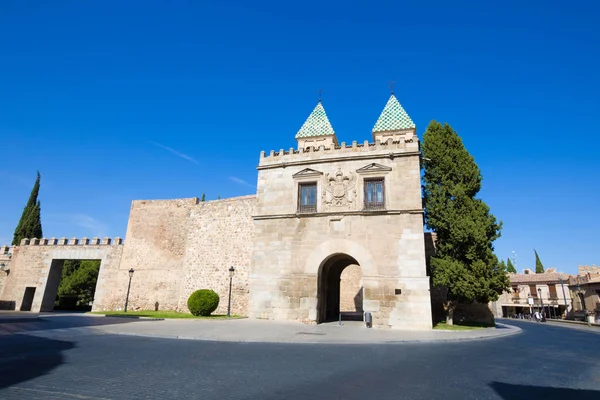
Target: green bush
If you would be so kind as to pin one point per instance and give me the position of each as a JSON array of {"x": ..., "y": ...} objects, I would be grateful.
[{"x": 203, "y": 302}]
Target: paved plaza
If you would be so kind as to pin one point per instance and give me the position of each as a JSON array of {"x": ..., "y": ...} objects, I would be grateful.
[{"x": 76, "y": 357}]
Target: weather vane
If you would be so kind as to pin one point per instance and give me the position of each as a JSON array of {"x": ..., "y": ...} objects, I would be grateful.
[
  {"x": 320, "y": 92},
  {"x": 392, "y": 86}
]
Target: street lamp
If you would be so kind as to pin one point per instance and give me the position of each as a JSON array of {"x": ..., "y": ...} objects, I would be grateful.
[
  {"x": 131, "y": 271},
  {"x": 231, "y": 273},
  {"x": 581, "y": 299},
  {"x": 541, "y": 301}
]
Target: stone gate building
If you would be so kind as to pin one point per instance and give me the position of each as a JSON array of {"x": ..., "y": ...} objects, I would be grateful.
[{"x": 332, "y": 227}]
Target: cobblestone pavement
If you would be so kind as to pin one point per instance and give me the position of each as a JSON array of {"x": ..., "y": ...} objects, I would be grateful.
[{"x": 543, "y": 362}]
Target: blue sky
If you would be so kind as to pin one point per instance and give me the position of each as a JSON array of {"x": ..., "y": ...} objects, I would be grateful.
[{"x": 115, "y": 101}]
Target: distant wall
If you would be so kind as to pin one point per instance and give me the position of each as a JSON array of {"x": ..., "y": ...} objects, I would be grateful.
[
  {"x": 588, "y": 269},
  {"x": 178, "y": 246},
  {"x": 32, "y": 265}
]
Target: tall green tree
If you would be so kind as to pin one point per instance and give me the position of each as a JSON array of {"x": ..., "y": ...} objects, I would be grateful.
[
  {"x": 203, "y": 197},
  {"x": 539, "y": 267},
  {"x": 510, "y": 267},
  {"x": 79, "y": 279},
  {"x": 465, "y": 263},
  {"x": 30, "y": 224}
]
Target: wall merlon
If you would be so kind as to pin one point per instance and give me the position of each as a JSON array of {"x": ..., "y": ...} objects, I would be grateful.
[
  {"x": 310, "y": 153},
  {"x": 65, "y": 242}
]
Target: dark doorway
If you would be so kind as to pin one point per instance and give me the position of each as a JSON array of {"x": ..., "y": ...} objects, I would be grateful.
[
  {"x": 27, "y": 299},
  {"x": 330, "y": 290}
]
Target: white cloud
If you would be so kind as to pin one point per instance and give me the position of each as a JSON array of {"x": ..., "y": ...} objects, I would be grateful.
[
  {"x": 240, "y": 181},
  {"x": 173, "y": 151}
]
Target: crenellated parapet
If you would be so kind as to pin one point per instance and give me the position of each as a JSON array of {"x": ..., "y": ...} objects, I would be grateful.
[
  {"x": 117, "y": 241},
  {"x": 408, "y": 144}
]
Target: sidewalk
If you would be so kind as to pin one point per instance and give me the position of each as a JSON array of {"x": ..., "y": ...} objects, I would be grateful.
[{"x": 249, "y": 330}]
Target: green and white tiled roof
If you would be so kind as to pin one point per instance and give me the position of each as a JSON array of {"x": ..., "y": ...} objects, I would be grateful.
[
  {"x": 317, "y": 124},
  {"x": 393, "y": 117}
]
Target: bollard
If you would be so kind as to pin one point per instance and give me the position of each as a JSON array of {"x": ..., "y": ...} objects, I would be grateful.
[
  {"x": 368, "y": 320},
  {"x": 340, "y": 318}
]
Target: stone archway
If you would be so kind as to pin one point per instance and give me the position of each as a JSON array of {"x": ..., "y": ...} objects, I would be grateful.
[{"x": 340, "y": 290}]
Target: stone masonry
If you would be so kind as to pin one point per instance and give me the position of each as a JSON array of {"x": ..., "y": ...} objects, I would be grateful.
[{"x": 332, "y": 228}]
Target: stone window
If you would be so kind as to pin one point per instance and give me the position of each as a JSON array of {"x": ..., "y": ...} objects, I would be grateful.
[
  {"x": 307, "y": 197},
  {"x": 515, "y": 293},
  {"x": 374, "y": 194},
  {"x": 533, "y": 291},
  {"x": 552, "y": 292}
]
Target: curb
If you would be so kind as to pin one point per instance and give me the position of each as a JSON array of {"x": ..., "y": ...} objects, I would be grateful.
[
  {"x": 512, "y": 330},
  {"x": 131, "y": 317}
]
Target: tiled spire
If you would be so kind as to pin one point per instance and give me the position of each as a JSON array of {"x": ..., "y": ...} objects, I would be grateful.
[
  {"x": 317, "y": 124},
  {"x": 393, "y": 117}
]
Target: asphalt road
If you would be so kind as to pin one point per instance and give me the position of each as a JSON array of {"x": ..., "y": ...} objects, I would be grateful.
[{"x": 543, "y": 362}]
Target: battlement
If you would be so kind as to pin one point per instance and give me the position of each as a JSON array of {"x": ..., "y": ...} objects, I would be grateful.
[
  {"x": 65, "y": 242},
  {"x": 405, "y": 144}
]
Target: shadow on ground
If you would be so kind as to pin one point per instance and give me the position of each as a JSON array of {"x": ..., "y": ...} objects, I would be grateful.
[
  {"x": 25, "y": 357},
  {"x": 58, "y": 321},
  {"x": 527, "y": 392}
]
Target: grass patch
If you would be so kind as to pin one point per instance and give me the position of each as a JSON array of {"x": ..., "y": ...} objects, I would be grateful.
[
  {"x": 461, "y": 326},
  {"x": 161, "y": 314}
]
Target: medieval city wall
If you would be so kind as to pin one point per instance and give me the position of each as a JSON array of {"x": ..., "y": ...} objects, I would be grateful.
[
  {"x": 588, "y": 269},
  {"x": 221, "y": 234},
  {"x": 37, "y": 263},
  {"x": 388, "y": 245},
  {"x": 179, "y": 246}
]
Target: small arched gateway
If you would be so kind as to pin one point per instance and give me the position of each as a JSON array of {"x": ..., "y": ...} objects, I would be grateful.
[{"x": 340, "y": 289}]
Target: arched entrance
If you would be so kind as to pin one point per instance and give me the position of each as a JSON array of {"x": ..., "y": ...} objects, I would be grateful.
[{"x": 340, "y": 289}]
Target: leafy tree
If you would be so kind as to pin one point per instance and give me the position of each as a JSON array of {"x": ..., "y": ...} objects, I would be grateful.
[
  {"x": 465, "y": 263},
  {"x": 510, "y": 267},
  {"x": 30, "y": 224},
  {"x": 502, "y": 265},
  {"x": 203, "y": 197},
  {"x": 539, "y": 267},
  {"x": 79, "y": 279}
]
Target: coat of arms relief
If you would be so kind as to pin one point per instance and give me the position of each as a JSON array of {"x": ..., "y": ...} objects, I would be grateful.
[{"x": 340, "y": 189}]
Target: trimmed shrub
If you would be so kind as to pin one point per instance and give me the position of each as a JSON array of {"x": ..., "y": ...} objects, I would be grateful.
[{"x": 203, "y": 302}]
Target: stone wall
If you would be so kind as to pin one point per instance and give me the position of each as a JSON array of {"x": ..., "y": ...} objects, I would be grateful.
[
  {"x": 351, "y": 289},
  {"x": 178, "y": 246},
  {"x": 588, "y": 269},
  {"x": 290, "y": 248},
  {"x": 5, "y": 258},
  {"x": 34, "y": 264}
]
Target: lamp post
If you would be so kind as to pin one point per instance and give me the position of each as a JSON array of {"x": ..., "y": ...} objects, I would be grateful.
[
  {"x": 541, "y": 301},
  {"x": 131, "y": 271},
  {"x": 231, "y": 272},
  {"x": 581, "y": 299},
  {"x": 564, "y": 295}
]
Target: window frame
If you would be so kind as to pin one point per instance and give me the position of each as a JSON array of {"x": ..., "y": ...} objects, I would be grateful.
[
  {"x": 374, "y": 205},
  {"x": 311, "y": 208}
]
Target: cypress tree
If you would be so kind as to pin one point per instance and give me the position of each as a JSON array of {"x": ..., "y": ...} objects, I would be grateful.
[
  {"x": 539, "y": 267},
  {"x": 30, "y": 224},
  {"x": 203, "y": 197},
  {"x": 465, "y": 263},
  {"x": 510, "y": 267}
]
